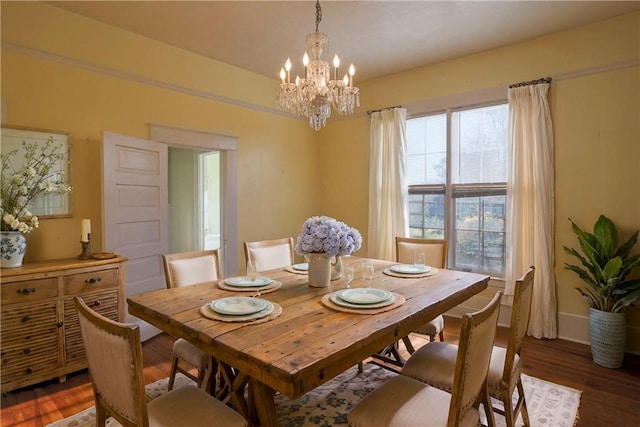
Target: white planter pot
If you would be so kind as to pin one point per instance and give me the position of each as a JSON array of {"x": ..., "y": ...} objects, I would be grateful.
[{"x": 607, "y": 334}]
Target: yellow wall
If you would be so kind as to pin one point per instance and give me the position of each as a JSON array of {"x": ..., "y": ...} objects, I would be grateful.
[{"x": 64, "y": 72}]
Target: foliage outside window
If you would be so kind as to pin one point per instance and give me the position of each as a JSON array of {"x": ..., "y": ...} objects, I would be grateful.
[{"x": 457, "y": 173}]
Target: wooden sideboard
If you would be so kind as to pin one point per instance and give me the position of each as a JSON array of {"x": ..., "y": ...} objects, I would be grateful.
[{"x": 39, "y": 333}]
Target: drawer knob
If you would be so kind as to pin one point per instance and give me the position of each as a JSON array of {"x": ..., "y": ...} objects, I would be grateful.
[
  {"x": 26, "y": 291},
  {"x": 97, "y": 303},
  {"x": 93, "y": 280},
  {"x": 29, "y": 370},
  {"x": 26, "y": 350},
  {"x": 59, "y": 324},
  {"x": 25, "y": 319}
]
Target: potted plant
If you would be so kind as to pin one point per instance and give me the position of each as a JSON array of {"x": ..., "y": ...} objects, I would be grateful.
[{"x": 608, "y": 291}]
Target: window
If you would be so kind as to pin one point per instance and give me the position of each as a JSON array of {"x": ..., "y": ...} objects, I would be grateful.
[{"x": 457, "y": 177}]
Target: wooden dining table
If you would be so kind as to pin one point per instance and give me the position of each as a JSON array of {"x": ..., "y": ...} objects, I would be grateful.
[{"x": 308, "y": 343}]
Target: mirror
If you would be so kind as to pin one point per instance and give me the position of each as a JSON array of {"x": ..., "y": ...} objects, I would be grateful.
[{"x": 51, "y": 204}]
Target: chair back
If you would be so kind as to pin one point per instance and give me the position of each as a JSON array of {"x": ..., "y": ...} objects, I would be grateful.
[
  {"x": 435, "y": 251},
  {"x": 189, "y": 268},
  {"x": 270, "y": 254},
  {"x": 521, "y": 310},
  {"x": 477, "y": 334},
  {"x": 114, "y": 356}
]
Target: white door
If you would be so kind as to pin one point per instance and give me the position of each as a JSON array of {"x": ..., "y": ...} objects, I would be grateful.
[{"x": 136, "y": 212}]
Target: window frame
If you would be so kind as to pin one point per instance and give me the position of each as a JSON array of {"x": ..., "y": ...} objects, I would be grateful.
[{"x": 451, "y": 191}]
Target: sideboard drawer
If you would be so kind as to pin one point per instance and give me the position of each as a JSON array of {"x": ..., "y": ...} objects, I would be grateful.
[
  {"x": 29, "y": 290},
  {"x": 29, "y": 342},
  {"x": 104, "y": 303},
  {"x": 89, "y": 282}
]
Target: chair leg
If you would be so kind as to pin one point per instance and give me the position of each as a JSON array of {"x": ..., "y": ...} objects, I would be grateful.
[
  {"x": 523, "y": 409},
  {"x": 509, "y": 414},
  {"x": 101, "y": 415},
  {"x": 360, "y": 367},
  {"x": 172, "y": 375},
  {"x": 441, "y": 335}
]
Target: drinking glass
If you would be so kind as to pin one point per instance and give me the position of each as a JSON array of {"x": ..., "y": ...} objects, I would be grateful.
[
  {"x": 348, "y": 273},
  {"x": 418, "y": 258},
  {"x": 367, "y": 272},
  {"x": 252, "y": 270}
]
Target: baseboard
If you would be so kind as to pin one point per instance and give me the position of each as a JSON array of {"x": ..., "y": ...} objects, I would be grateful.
[{"x": 571, "y": 327}]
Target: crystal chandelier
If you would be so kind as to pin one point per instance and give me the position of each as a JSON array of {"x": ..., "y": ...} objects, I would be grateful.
[{"x": 315, "y": 94}]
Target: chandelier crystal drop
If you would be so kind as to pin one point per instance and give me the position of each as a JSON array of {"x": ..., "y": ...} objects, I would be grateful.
[{"x": 317, "y": 92}]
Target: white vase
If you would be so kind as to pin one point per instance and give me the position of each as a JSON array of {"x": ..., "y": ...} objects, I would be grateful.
[
  {"x": 319, "y": 270},
  {"x": 13, "y": 245}
]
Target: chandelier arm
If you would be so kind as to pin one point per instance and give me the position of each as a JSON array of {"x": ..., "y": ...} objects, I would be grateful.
[{"x": 318, "y": 14}]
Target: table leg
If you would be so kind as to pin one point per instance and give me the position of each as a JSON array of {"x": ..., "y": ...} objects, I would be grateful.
[
  {"x": 232, "y": 389},
  {"x": 263, "y": 398}
]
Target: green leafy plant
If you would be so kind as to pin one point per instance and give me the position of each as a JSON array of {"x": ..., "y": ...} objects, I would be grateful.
[{"x": 607, "y": 266}]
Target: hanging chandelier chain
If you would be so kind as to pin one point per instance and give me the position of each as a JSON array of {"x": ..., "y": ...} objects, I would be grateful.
[{"x": 318, "y": 14}]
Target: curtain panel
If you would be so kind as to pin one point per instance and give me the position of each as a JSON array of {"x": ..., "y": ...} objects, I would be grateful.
[
  {"x": 530, "y": 203},
  {"x": 388, "y": 214}
]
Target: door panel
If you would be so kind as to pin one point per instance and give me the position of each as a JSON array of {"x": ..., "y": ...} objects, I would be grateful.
[{"x": 136, "y": 211}]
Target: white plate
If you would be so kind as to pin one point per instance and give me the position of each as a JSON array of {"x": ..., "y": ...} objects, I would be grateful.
[
  {"x": 246, "y": 282},
  {"x": 301, "y": 267},
  {"x": 335, "y": 298},
  {"x": 410, "y": 269},
  {"x": 238, "y": 306},
  {"x": 364, "y": 296}
]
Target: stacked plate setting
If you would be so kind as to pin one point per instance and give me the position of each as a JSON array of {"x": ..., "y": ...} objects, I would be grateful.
[
  {"x": 304, "y": 266},
  {"x": 362, "y": 298},
  {"x": 410, "y": 269},
  {"x": 246, "y": 282},
  {"x": 250, "y": 307}
]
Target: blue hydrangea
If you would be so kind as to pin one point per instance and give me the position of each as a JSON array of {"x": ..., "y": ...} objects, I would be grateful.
[{"x": 323, "y": 234}]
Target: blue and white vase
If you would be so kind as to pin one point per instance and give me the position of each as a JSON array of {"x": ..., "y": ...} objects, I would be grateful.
[{"x": 13, "y": 245}]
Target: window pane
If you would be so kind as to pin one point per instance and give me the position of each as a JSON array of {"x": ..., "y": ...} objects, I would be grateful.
[
  {"x": 426, "y": 216},
  {"x": 480, "y": 234},
  {"x": 427, "y": 149},
  {"x": 479, "y": 145}
]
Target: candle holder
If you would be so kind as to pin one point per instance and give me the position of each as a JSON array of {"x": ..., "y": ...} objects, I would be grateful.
[{"x": 86, "y": 253}]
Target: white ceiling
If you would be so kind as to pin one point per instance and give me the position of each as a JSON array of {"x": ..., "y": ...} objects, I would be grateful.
[{"x": 379, "y": 37}]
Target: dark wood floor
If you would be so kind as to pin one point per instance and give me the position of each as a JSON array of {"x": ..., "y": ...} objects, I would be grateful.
[{"x": 609, "y": 397}]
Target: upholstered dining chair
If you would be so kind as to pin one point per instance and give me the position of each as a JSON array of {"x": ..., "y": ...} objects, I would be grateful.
[
  {"x": 435, "y": 255},
  {"x": 114, "y": 356},
  {"x": 183, "y": 269},
  {"x": 404, "y": 401},
  {"x": 434, "y": 364},
  {"x": 270, "y": 254}
]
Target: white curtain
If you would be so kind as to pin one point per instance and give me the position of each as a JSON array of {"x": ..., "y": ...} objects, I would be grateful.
[
  {"x": 388, "y": 215},
  {"x": 530, "y": 209}
]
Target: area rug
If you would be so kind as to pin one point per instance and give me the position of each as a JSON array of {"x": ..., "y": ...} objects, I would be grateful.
[{"x": 549, "y": 404}]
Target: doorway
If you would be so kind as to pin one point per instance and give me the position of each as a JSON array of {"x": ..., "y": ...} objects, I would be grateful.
[
  {"x": 194, "y": 200},
  {"x": 207, "y": 148}
]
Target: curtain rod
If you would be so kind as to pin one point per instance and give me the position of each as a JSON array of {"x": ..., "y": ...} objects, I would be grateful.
[
  {"x": 383, "y": 109},
  {"x": 531, "y": 82}
]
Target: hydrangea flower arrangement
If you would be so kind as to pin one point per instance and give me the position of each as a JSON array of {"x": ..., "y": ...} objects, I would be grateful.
[
  {"x": 323, "y": 234},
  {"x": 35, "y": 177}
]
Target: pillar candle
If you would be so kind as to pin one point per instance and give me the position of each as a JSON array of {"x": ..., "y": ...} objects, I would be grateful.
[{"x": 86, "y": 230}]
